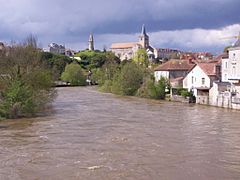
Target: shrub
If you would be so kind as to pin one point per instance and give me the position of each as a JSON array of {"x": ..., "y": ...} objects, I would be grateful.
[
  {"x": 25, "y": 83},
  {"x": 129, "y": 80},
  {"x": 74, "y": 75}
]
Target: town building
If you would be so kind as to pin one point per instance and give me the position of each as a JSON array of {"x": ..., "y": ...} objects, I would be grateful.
[
  {"x": 166, "y": 53},
  {"x": 173, "y": 70},
  {"x": 126, "y": 51},
  {"x": 200, "y": 79},
  {"x": 231, "y": 64},
  {"x": 91, "y": 43},
  {"x": 57, "y": 49}
]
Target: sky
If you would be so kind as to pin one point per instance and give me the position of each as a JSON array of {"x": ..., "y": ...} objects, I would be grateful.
[{"x": 190, "y": 25}]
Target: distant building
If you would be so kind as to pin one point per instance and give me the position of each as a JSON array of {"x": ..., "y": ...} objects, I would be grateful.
[
  {"x": 231, "y": 64},
  {"x": 200, "y": 79},
  {"x": 204, "y": 56},
  {"x": 91, "y": 43},
  {"x": 57, "y": 49},
  {"x": 126, "y": 51},
  {"x": 165, "y": 53},
  {"x": 173, "y": 70}
]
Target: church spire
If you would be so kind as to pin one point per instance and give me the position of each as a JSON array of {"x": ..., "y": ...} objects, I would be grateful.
[
  {"x": 144, "y": 30},
  {"x": 91, "y": 43},
  {"x": 143, "y": 38}
]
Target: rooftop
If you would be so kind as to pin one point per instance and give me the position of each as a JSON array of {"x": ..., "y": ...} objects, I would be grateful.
[
  {"x": 208, "y": 68},
  {"x": 175, "y": 65},
  {"x": 124, "y": 45}
]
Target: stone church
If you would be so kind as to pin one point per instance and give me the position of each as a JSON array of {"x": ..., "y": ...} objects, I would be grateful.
[{"x": 126, "y": 51}]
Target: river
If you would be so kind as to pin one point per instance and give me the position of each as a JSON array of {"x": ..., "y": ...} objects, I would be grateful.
[{"x": 89, "y": 135}]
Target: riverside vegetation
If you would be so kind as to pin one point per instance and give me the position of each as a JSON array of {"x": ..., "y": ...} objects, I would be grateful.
[{"x": 27, "y": 76}]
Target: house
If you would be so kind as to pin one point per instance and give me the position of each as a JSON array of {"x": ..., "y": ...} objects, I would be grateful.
[
  {"x": 200, "y": 79},
  {"x": 227, "y": 93},
  {"x": 126, "y": 51},
  {"x": 231, "y": 64},
  {"x": 166, "y": 53},
  {"x": 174, "y": 70},
  {"x": 57, "y": 49}
]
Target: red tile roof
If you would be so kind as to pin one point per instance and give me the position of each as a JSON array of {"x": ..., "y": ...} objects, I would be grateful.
[
  {"x": 208, "y": 68},
  {"x": 175, "y": 65}
]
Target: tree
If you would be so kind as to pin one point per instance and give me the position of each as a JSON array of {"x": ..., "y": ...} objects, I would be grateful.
[
  {"x": 73, "y": 74},
  {"x": 141, "y": 57},
  {"x": 25, "y": 82},
  {"x": 128, "y": 80},
  {"x": 161, "y": 87}
]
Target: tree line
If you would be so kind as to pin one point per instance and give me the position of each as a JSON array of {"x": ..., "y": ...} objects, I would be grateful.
[{"x": 27, "y": 76}]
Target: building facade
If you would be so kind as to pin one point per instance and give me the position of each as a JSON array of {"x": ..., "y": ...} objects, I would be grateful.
[
  {"x": 126, "y": 51},
  {"x": 231, "y": 66},
  {"x": 57, "y": 49}
]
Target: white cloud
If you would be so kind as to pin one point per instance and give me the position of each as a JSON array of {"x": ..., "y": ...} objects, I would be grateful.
[{"x": 188, "y": 39}]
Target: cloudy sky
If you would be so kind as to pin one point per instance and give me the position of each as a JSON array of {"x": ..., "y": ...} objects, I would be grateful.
[{"x": 194, "y": 25}]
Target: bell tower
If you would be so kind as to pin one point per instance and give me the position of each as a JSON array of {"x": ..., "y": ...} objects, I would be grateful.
[
  {"x": 143, "y": 38},
  {"x": 91, "y": 43}
]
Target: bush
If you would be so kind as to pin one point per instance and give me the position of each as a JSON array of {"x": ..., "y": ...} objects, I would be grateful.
[
  {"x": 74, "y": 75},
  {"x": 25, "y": 83},
  {"x": 150, "y": 89},
  {"x": 129, "y": 80},
  {"x": 107, "y": 86},
  {"x": 183, "y": 92}
]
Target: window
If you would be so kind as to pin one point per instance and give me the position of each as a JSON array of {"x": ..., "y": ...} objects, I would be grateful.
[
  {"x": 192, "y": 79},
  {"x": 203, "y": 81},
  {"x": 234, "y": 71},
  {"x": 226, "y": 65},
  {"x": 234, "y": 57}
]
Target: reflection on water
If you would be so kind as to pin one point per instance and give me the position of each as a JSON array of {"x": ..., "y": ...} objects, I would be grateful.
[{"x": 92, "y": 135}]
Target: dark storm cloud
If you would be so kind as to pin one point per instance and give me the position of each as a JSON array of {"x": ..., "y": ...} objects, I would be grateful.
[{"x": 71, "y": 21}]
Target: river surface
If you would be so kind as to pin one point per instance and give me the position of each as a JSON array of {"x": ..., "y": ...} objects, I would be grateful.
[{"x": 90, "y": 135}]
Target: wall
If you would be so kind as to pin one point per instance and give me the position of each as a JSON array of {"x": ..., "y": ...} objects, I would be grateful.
[
  {"x": 197, "y": 74},
  {"x": 159, "y": 74}
]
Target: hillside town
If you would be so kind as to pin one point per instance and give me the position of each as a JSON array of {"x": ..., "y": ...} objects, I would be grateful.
[{"x": 212, "y": 80}]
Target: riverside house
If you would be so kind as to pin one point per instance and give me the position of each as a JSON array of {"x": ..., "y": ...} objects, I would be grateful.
[
  {"x": 200, "y": 79},
  {"x": 174, "y": 70}
]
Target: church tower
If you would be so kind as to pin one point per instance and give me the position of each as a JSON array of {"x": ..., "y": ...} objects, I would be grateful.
[
  {"x": 91, "y": 43},
  {"x": 143, "y": 38}
]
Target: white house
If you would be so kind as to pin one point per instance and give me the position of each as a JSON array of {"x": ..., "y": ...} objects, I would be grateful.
[
  {"x": 200, "y": 79},
  {"x": 173, "y": 70},
  {"x": 231, "y": 66}
]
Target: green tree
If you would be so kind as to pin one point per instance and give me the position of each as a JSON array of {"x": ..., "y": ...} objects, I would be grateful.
[
  {"x": 141, "y": 57},
  {"x": 128, "y": 80},
  {"x": 25, "y": 82},
  {"x": 161, "y": 87},
  {"x": 74, "y": 75}
]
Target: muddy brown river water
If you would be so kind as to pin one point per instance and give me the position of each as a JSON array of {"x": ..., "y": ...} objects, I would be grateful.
[{"x": 90, "y": 135}]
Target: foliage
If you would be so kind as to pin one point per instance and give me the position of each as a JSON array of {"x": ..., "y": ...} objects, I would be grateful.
[
  {"x": 74, "y": 75},
  {"x": 150, "y": 89},
  {"x": 141, "y": 57},
  {"x": 96, "y": 59},
  {"x": 55, "y": 62},
  {"x": 25, "y": 83},
  {"x": 161, "y": 87},
  {"x": 129, "y": 80},
  {"x": 183, "y": 92}
]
